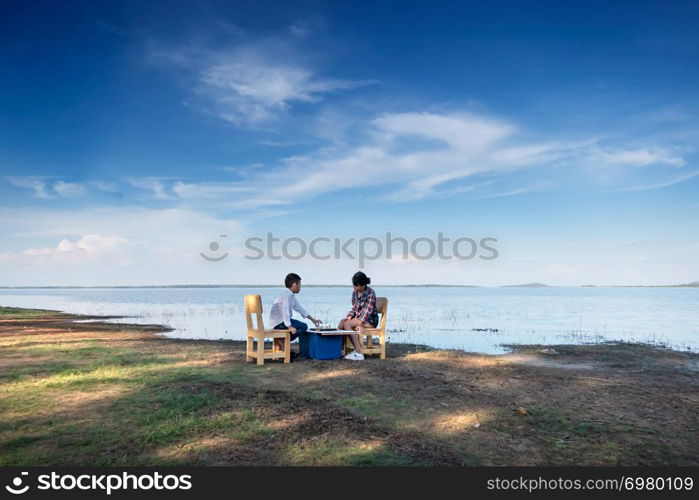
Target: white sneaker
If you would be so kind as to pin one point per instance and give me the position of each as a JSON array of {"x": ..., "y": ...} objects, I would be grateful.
[{"x": 355, "y": 356}]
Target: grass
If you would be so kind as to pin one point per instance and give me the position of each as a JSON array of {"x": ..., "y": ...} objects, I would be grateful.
[
  {"x": 106, "y": 394},
  {"x": 17, "y": 313}
]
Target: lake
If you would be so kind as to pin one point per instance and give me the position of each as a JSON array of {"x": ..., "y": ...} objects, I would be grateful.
[{"x": 471, "y": 319}]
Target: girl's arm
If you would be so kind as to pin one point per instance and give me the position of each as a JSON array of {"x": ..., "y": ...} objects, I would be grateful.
[
  {"x": 369, "y": 306},
  {"x": 352, "y": 312}
]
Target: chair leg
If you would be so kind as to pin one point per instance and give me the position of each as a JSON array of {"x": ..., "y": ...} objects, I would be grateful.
[
  {"x": 287, "y": 349},
  {"x": 248, "y": 349},
  {"x": 382, "y": 342},
  {"x": 260, "y": 351}
]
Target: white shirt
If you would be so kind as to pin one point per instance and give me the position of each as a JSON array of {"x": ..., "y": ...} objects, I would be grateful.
[{"x": 283, "y": 308}]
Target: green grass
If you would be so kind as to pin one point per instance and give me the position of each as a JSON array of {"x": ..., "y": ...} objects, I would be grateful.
[
  {"x": 119, "y": 397},
  {"x": 17, "y": 313},
  {"x": 151, "y": 401}
]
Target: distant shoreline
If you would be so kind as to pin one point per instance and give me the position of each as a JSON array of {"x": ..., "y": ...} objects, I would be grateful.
[{"x": 533, "y": 285}]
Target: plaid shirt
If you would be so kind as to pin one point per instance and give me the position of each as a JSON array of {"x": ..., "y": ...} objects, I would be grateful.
[{"x": 364, "y": 306}]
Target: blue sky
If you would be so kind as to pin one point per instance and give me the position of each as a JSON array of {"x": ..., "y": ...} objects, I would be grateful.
[{"x": 132, "y": 134}]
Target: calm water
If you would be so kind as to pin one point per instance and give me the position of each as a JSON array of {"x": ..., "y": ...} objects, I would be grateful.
[{"x": 472, "y": 319}]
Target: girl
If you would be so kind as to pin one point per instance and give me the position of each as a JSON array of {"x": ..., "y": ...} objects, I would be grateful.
[{"x": 362, "y": 315}]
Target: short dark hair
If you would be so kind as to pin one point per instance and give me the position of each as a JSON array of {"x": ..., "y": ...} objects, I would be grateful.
[
  {"x": 290, "y": 279},
  {"x": 360, "y": 278}
]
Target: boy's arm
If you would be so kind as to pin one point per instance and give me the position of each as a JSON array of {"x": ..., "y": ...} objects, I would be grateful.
[
  {"x": 315, "y": 321},
  {"x": 299, "y": 309},
  {"x": 285, "y": 311}
]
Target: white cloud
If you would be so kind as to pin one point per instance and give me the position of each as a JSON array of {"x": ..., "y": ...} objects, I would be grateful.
[
  {"x": 412, "y": 156},
  {"x": 108, "y": 186},
  {"x": 34, "y": 183},
  {"x": 513, "y": 192},
  {"x": 110, "y": 245},
  {"x": 250, "y": 86},
  {"x": 208, "y": 190},
  {"x": 69, "y": 189},
  {"x": 258, "y": 80},
  {"x": 641, "y": 157},
  {"x": 663, "y": 184},
  {"x": 86, "y": 247},
  {"x": 43, "y": 188},
  {"x": 157, "y": 186},
  {"x": 463, "y": 132}
]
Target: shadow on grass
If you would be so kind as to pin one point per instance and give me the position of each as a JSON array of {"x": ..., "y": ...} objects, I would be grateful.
[
  {"x": 183, "y": 417},
  {"x": 169, "y": 403}
]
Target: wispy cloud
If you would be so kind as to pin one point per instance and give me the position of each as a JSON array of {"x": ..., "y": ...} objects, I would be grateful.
[
  {"x": 107, "y": 186},
  {"x": 156, "y": 185},
  {"x": 412, "y": 156},
  {"x": 641, "y": 157},
  {"x": 663, "y": 184},
  {"x": 512, "y": 192},
  {"x": 86, "y": 247},
  {"x": 36, "y": 184},
  {"x": 44, "y": 187},
  {"x": 256, "y": 81},
  {"x": 251, "y": 87},
  {"x": 418, "y": 155},
  {"x": 135, "y": 235},
  {"x": 69, "y": 189},
  {"x": 208, "y": 190}
]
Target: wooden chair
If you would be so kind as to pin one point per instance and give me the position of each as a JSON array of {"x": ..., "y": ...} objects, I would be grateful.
[
  {"x": 367, "y": 342},
  {"x": 257, "y": 333}
]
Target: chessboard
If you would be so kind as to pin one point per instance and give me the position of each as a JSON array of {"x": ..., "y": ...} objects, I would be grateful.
[{"x": 330, "y": 331}]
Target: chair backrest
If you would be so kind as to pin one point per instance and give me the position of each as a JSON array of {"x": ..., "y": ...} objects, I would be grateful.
[
  {"x": 253, "y": 305},
  {"x": 382, "y": 309}
]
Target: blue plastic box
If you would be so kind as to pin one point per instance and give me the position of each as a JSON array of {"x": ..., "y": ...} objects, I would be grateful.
[{"x": 315, "y": 346}]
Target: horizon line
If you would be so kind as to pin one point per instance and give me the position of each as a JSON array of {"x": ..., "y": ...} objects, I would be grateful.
[{"x": 694, "y": 284}]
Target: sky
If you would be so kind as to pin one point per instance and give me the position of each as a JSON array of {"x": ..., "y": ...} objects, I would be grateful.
[{"x": 138, "y": 138}]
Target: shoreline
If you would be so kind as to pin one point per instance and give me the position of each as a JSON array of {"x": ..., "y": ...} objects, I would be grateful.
[
  {"x": 122, "y": 394},
  {"x": 509, "y": 347}
]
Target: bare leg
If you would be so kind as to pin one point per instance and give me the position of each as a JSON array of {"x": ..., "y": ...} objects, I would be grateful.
[
  {"x": 355, "y": 342},
  {"x": 354, "y": 324},
  {"x": 344, "y": 325}
]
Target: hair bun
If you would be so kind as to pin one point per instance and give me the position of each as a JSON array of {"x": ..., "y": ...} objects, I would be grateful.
[{"x": 360, "y": 279}]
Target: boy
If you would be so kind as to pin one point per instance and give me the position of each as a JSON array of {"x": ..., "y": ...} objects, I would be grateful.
[{"x": 284, "y": 307}]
